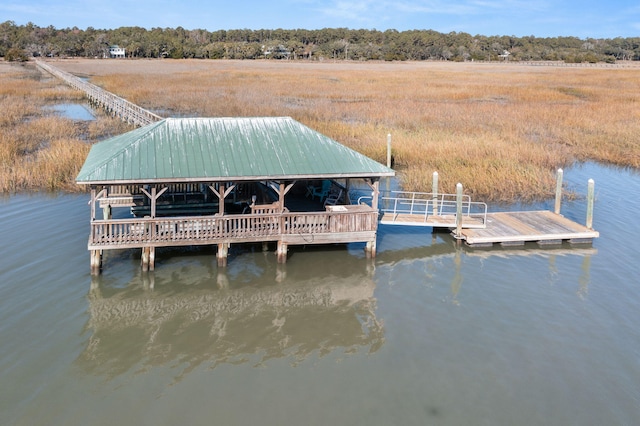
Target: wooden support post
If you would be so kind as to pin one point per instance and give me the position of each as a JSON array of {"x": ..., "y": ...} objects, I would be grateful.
[
  {"x": 281, "y": 252},
  {"x": 221, "y": 196},
  {"x": 221, "y": 193},
  {"x": 376, "y": 194},
  {"x": 281, "y": 193},
  {"x": 144, "y": 258},
  {"x": 96, "y": 262},
  {"x": 590, "y": 200},
  {"x": 434, "y": 191},
  {"x": 152, "y": 258},
  {"x": 223, "y": 252},
  {"x": 375, "y": 191},
  {"x": 93, "y": 204},
  {"x": 282, "y": 189},
  {"x": 370, "y": 249},
  {"x": 154, "y": 199},
  {"x": 458, "y": 210},
  {"x": 106, "y": 212},
  {"x": 94, "y": 199},
  {"x": 389, "y": 150},
  {"x": 558, "y": 192}
]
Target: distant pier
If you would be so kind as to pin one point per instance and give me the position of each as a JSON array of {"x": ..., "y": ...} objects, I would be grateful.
[{"x": 113, "y": 104}]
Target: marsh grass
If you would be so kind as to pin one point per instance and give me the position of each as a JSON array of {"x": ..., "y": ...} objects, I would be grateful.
[
  {"x": 39, "y": 150},
  {"x": 501, "y": 130}
]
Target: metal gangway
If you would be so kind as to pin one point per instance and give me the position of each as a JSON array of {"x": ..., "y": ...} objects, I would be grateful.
[{"x": 429, "y": 209}]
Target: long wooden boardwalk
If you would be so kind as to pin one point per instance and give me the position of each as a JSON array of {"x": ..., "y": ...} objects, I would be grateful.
[{"x": 127, "y": 111}]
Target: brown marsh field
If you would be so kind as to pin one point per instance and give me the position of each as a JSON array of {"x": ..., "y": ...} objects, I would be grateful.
[
  {"x": 40, "y": 150},
  {"x": 502, "y": 130}
]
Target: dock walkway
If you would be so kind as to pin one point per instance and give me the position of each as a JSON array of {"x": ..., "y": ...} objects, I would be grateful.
[
  {"x": 127, "y": 111},
  {"x": 430, "y": 209},
  {"x": 470, "y": 222}
]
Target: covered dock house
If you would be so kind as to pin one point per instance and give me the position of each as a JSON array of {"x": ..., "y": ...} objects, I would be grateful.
[{"x": 223, "y": 181}]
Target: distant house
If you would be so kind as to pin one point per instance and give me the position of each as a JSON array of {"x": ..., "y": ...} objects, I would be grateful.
[
  {"x": 276, "y": 52},
  {"x": 116, "y": 51}
]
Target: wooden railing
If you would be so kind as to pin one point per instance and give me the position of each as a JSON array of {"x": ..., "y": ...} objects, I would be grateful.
[
  {"x": 200, "y": 230},
  {"x": 127, "y": 111}
]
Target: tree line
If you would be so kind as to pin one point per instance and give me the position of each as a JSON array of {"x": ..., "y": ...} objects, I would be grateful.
[{"x": 19, "y": 42}]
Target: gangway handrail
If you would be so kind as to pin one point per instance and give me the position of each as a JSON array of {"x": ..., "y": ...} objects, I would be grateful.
[{"x": 426, "y": 205}]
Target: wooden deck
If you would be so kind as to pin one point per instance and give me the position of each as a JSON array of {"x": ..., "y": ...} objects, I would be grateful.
[
  {"x": 516, "y": 228},
  {"x": 355, "y": 224}
]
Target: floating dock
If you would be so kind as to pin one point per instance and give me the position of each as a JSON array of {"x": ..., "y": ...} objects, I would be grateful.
[
  {"x": 517, "y": 228},
  {"x": 469, "y": 221}
]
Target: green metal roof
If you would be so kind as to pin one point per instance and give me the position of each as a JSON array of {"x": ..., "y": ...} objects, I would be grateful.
[{"x": 210, "y": 149}]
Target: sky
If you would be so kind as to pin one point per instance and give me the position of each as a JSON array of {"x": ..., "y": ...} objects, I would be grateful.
[{"x": 540, "y": 18}]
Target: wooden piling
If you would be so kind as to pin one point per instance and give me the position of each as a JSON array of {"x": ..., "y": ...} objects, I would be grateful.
[
  {"x": 370, "y": 249},
  {"x": 147, "y": 259},
  {"x": 223, "y": 252},
  {"x": 96, "y": 261},
  {"x": 590, "y": 200},
  {"x": 458, "y": 210},
  {"x": 389, "y": 150},
  {"x": 281, "y": 252},
  {"x": 152, "y": 258},
  {"x": 556, "y": 209},
  {"x": 434, "y": 191}
]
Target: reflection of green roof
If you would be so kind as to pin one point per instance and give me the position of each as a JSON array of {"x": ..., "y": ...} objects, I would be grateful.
[{"x": 213, "y": 149}]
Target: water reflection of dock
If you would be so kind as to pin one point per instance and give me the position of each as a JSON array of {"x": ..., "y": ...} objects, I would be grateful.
[
  {"x": 293, "y": 319},
  {"x": 462, "y": 260}
]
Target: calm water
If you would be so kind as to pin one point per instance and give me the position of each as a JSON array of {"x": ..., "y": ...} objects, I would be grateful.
[
  {"x": 80, "y": 112},
  {"x": 428, "y": 333}
]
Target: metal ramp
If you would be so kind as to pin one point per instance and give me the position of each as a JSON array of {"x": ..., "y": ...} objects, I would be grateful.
[{"x": 429, "y": 209}]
